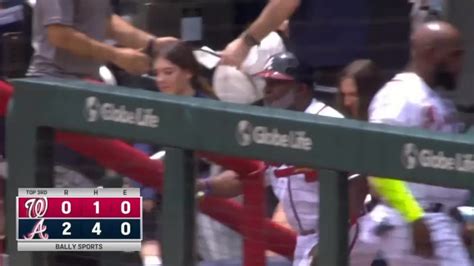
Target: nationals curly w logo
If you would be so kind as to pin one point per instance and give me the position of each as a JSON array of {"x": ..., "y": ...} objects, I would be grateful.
[{"x": 37, "y": 208}]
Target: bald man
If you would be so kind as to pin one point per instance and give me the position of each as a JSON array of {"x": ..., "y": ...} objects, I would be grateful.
[{"x": 414, "y": 222}]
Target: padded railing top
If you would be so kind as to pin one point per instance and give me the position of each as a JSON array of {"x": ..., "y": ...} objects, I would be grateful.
[{"x": 246, "y": 131}]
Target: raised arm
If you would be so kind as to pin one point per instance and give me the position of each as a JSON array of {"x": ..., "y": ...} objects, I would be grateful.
[
  {"x": 58, "y": 19},
  {"x": 398, "y": 195},
  {"x": 225, "y": 184},
  {"x": 79, "y": 44},
  {"x": 129, "y": 36},
  {"x": 272, "y": 16}
]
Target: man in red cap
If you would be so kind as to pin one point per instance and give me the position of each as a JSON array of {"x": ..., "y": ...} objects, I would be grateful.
[{"x": 289, "y": 86}]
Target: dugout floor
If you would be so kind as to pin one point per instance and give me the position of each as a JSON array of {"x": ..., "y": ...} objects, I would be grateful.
[{"x": 238, "y": 262}]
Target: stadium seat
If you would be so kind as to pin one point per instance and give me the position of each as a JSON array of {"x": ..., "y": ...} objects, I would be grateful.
[{"x": 15, "y": 38}]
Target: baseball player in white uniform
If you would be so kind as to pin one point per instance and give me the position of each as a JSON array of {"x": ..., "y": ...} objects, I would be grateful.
[
  {"x": 410, "y": 100},
  {"x": 289, "y": 87}
]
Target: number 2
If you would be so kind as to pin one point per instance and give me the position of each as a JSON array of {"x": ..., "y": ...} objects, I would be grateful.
[{"x": 67, "y": 227}]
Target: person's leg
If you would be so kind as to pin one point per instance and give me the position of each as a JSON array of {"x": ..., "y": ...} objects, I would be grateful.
[
  {"x": 215, "y": 241},
  {"x": 448, "y": 245},
  {"x": 306, "y": 250},
  {"x": 384, "y": 231},
  {"x": 396, "y": 247},
  {"x": 151, "y": 249},
  {"x": 363, "y": 253}
]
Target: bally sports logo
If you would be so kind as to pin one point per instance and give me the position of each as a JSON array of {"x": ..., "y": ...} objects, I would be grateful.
[
  {"x": 247, "y": 134},
  {"x": 94, "y": 111},
  {"x": 413, "y": 157}
]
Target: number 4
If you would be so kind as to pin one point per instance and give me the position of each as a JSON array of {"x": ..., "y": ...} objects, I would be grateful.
[{"x": 96, "y": 229}]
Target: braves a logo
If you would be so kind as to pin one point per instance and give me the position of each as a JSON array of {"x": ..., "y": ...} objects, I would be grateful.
[{"x": 37, "y": 208}]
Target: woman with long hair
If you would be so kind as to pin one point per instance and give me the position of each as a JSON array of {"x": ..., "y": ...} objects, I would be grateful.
[
  {"x": 177, "y": 72},
  {"x": 358, "y": 84}
]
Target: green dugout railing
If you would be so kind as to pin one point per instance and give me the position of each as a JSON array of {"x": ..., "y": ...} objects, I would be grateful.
[{"x": 186, "y": 124}]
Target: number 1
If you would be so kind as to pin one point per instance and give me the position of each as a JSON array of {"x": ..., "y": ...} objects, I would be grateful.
[{"x": 96, "y": 204}]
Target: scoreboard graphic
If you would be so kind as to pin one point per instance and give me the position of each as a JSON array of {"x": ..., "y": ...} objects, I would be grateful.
[{"x": 79, "y": 219}]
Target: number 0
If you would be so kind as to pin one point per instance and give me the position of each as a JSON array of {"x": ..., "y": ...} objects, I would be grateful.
[
  {"x": 125, "y": 207},
  {"x": 66, "y": 207},
  {"x": 125, "y": 228}
]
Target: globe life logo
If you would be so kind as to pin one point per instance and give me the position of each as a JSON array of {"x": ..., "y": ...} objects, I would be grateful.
[
  {"x": 243, "y": 134},
  {"x": 94, "y": 111},
  {"x": 247, "y": 134},
  {"x": 409, "y": 156},
  {"x": 413, "y": 157}
]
